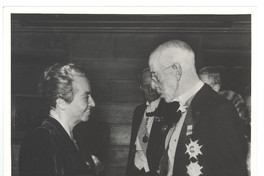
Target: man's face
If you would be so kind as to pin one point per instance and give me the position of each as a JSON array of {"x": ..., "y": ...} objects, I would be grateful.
[
  {"x": 80, "y": 108},
  {"x": 206, "y": 79},
  {"x": 149, "y": 93},
  {"x": 164, "y": 78}
]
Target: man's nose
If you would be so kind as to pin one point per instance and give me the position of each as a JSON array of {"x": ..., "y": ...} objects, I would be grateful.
[{"x": 153, "y": 85}]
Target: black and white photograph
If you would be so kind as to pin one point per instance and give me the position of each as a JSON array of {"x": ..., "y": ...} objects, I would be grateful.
[{"x": 130, "y": 94}]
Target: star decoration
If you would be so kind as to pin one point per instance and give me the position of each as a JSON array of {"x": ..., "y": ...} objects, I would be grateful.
[
  {"x": 193, "y": 149},
  {"x": 194, "y": 169}
]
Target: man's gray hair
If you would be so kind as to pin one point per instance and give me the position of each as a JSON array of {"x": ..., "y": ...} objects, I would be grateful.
[
  {"x": 186, "y": 59},
  {"x": 174, "y": 44}
]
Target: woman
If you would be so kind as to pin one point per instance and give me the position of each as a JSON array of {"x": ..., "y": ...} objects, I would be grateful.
[{"x": 51, "y": 148}]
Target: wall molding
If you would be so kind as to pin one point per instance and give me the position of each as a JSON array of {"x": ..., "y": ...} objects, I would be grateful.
[{"x": 131, "y": 23}]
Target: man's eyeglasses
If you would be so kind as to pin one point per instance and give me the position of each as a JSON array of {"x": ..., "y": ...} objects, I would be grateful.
[{"x": 154, "y": 75}]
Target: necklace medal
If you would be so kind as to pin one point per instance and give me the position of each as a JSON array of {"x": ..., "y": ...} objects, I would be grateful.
[{"x": 145, "y": 139}]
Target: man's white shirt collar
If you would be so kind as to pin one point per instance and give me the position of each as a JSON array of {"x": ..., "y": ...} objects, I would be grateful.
[
  {"x": 184, "y": 97},
  {"x": 152, "y": 106}
]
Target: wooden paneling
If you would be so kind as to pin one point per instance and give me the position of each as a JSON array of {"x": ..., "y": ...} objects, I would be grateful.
[
  {"x": 120, "y": 134},
  {"x": 227, "y": 58},
  {"x": 115, "y": 171},
  {"x": 101, "y": 91},
  {"x": 227, "y": 41},
  {"x": 126, "y": 91},
  {"x": 131, "y": 23},
  {"x": 112, "y": 70},
  {"x": 117, "y": 156},
  {"x": 114, "y": 113},
  {"x": 28, "y": 111},
  {"x": 25, "y": 77},
  {"x": 92, "y": 46},
  {"x": 26, "y": 70},
  {"x": 15, "y": 157},
  {"x": 116, "y": 91},
  {"x": 56, "y": 42},
  {"x": 124, "y": 46}
]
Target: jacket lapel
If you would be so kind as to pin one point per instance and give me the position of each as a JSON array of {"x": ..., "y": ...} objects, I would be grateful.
[
  {"x": 186, "y": 135},
  {"x": 187, "y": 129},
  {"x": 139, "y": 116}
]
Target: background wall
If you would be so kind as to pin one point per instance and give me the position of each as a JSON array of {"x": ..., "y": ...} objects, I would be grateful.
[{"x": 114, "y": 49}]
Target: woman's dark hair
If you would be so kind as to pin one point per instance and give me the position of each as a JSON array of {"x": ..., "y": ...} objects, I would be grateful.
[{"x": 56, "y": 82}]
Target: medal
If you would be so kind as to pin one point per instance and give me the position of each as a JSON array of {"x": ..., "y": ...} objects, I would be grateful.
[
  {"x": 193, "y": 149},
  {"x": 194, "y": 169},
  {"x": 145, "y": 139}
]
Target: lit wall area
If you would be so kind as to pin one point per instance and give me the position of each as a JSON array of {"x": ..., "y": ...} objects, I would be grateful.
[{"x": 114, "y": 49}]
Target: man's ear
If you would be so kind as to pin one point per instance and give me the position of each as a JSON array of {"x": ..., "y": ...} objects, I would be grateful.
[
  {"x": 61, "y": 104},
  {"x": 178, "y": 69},
  {"x": 216, "y": 87}
]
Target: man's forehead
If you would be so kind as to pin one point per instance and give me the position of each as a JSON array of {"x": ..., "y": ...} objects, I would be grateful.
[
  {"x": 166, "y": 57},
  {"x": 157, "y": 64}
]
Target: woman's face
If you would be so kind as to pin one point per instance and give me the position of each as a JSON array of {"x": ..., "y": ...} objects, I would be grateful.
[{"x": 80, "y": 108}]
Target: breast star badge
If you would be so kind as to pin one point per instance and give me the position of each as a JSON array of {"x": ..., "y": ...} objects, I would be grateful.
[
  {"x": 194, "y": 169},
  {"x": 193, "y": 149}
]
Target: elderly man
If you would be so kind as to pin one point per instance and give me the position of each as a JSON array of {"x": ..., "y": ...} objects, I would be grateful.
[
  {"x": 205, "y": 139},
  {"x": 148, "y": 134}
]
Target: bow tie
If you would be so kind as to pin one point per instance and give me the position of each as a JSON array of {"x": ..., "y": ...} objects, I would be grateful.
[{"x": 170, "y": 111}]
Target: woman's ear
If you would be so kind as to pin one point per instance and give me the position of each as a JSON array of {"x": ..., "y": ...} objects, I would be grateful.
[
  {"x": 61, "y": 104},
  {"x": 178, "y": 69}
]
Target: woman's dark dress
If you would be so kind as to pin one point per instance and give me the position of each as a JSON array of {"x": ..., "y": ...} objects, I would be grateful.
[{"x": 49, "y": 151}]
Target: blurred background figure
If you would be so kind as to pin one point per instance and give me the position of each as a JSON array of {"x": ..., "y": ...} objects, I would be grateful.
[
  {"x": 247, "y": 97},
  {"x": 148, "y": 132},
  {"x": 211, "y": 76},
  {"x": 237, "y": 101}
]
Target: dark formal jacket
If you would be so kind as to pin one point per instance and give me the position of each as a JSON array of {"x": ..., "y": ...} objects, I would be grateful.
[
  {"x": 156, "y": 141},
  {"x": 211, "y": 141},
  {"x": 49, "y": 151}
]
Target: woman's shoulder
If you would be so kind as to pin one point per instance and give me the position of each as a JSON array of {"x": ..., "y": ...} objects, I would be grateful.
[{"x": 38, "y": 136}]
